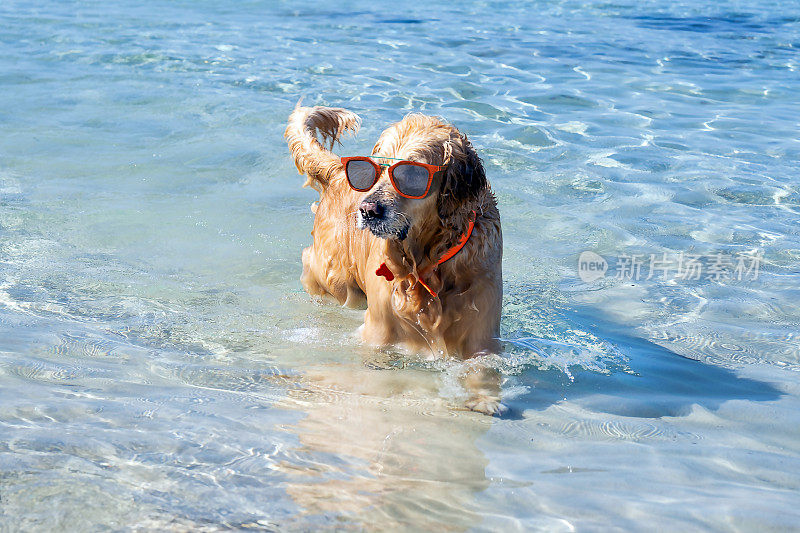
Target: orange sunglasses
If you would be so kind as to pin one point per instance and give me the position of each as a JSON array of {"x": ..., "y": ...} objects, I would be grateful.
[{"x": 409, "y": 178}]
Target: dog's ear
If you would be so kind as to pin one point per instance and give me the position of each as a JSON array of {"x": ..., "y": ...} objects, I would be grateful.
[{"x": 463, "y": 182}]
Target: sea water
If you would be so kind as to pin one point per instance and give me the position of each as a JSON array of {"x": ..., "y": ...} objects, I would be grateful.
[{"x": 161, "y": 367}]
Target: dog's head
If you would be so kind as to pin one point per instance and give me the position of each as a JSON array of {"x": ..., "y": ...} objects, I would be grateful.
[{"x": 453, "y": 194}]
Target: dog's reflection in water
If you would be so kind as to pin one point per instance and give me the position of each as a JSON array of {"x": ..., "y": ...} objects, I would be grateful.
[{"x": 379, "y": 448}]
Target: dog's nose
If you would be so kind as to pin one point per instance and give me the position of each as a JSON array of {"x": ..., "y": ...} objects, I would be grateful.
[{"x": 371, "y": 210}]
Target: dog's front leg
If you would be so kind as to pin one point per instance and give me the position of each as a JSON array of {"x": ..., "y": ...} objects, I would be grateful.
[
  {"x": 482, "y": 384},
  {"x": 309, "y": 277}
]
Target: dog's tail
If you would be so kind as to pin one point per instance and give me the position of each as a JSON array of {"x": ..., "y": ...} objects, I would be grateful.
[{"x": 310, "y": 129}]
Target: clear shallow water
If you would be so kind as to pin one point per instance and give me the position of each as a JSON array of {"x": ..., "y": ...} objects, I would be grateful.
[{"x": 161, "y": 368}]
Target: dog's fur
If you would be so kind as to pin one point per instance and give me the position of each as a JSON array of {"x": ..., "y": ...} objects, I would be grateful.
[{"x": 411, "y": 235}]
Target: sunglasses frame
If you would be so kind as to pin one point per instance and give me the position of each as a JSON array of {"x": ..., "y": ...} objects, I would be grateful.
[{"x": 432, "y": 170}]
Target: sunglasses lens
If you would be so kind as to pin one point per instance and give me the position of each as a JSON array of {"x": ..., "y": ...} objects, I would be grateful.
[
  {"x": 360, "y": 174},
  {"x": 410, "y": 180}
]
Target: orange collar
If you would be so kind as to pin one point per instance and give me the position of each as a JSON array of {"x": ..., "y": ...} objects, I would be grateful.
[{"x": 384, "y": 271}]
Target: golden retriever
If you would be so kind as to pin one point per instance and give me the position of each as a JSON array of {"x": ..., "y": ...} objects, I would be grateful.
[{"x": 381, "y": 248}]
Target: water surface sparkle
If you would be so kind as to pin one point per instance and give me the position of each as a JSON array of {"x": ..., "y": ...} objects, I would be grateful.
[{"x": 161, "y": 368}]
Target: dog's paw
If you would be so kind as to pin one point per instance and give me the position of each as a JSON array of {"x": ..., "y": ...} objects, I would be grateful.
[{"x": 488, "y": 405}]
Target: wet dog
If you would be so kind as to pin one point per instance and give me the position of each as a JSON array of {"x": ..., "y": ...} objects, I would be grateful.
[{"x": 428, "y": 267}]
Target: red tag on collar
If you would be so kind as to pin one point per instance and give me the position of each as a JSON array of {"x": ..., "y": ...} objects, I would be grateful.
[{"x": 384, "y": 271}]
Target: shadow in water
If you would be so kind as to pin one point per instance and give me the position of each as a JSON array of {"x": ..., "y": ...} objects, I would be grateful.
[{"x": 657, "y": 382}]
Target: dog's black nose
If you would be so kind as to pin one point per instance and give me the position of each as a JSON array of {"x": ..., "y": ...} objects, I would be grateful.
[{"x": 371, "y": 210}]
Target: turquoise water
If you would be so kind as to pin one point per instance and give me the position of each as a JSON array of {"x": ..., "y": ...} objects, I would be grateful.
[{"x": 162, "y": 369}]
